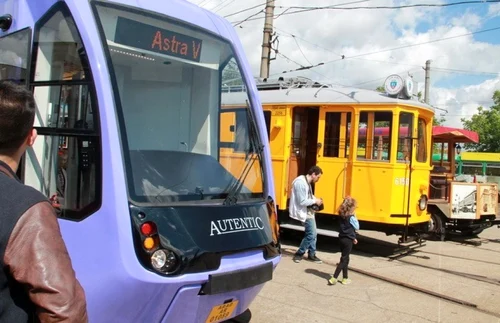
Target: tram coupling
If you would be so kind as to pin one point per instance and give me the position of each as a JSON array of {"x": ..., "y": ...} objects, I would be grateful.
[{"x": 411, "y": 240}]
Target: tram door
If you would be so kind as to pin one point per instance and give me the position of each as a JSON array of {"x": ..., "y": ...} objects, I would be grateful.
[
  {"x": 304, "y": 142},
  {"x": 333, "y": 156}
]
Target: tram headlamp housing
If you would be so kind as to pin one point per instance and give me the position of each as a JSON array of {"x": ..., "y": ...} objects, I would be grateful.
[
  {"x": 164, "y": 261},
  {"x": 422, "y": 202}
]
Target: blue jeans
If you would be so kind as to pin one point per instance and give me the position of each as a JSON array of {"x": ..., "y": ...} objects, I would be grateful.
[{"x": 310, "y": 238}]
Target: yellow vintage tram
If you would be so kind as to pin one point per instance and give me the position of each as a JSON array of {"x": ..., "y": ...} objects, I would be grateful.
[{"x": 373, "y": 146}]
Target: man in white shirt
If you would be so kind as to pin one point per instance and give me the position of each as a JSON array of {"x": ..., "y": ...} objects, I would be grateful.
[{"x": 301, "y": 201}]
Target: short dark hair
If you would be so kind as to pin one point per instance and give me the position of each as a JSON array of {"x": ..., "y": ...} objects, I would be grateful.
[
  {"x": 17, "y": 115},
  {"x": 315, "y": 170}
]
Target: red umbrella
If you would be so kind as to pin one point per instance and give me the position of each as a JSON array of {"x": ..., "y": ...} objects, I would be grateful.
[{"x": 441, "y": 133}]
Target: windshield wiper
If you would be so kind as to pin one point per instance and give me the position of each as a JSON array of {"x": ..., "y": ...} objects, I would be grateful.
[{"x": 255, "y": 148}]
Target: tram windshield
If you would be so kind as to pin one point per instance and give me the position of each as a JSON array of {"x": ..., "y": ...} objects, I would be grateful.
[{"x": 167, "y": 80}]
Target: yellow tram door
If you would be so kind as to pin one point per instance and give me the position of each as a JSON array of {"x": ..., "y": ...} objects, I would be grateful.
[{"x": 333, "y": 156}]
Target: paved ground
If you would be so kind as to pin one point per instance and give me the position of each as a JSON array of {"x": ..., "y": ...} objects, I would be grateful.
[{"x": 299, "y": 292}]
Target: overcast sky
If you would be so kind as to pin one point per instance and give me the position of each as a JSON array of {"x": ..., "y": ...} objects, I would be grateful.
[{"x": 465, "y": 70}]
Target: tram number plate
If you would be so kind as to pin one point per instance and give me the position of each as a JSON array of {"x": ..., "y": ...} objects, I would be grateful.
[
  {"x": 402, "y": 181},
  {"x": 221, "y": 312}
]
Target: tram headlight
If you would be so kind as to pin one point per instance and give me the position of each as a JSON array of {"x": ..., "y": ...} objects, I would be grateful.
[
  {"x": 422, "y": 202},
  {"x": 164, "y": 261}
]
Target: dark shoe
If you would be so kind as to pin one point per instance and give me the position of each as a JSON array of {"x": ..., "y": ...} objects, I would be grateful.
[
  {"x": 297, "y": 258},
  {"x": 315, "y": 259}
]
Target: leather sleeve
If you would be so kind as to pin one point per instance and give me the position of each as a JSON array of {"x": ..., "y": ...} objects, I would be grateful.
[{"x": 36, "y": 257}]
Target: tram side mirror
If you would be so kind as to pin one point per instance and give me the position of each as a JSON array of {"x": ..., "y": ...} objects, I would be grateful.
[{"x": 231, "y": 128}]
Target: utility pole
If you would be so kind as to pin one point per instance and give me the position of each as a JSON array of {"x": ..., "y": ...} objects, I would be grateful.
[
  {"x": 266, "y": 42},
  {"x": 427, "y": 80}
]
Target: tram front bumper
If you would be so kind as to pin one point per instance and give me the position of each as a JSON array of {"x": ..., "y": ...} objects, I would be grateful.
[{"x": 224, "y": 296}]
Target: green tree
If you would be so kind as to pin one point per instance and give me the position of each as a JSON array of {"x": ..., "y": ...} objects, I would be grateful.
[
  {"x": 438, "y": 122},
  {"x": 419, "y": 96},
  {"x": 486, "y": 122}
]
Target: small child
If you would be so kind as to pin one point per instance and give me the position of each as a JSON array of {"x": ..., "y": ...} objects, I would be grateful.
[{"x": 347, "y": 236}]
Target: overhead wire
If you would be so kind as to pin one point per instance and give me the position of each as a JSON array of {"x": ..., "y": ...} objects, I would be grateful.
[
  {"x": 397, "y": 48},
  {"x": 417, "y": 5},
  {"x": 288, "y": 13},
  {"x": 255, "y": 14},
  {"x": 221, "y": 6},
  {"x": 338, "y": 7},
  {"x": 434, "y": 68},
  {"x": 302, "y": 67},
  {"x": 244, "y": 10}
]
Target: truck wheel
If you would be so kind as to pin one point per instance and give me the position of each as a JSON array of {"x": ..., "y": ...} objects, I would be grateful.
[{"x": 436, "y": 226}]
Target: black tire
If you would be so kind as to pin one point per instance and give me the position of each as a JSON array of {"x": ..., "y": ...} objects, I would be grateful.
[{"x": 436, "y": 226}]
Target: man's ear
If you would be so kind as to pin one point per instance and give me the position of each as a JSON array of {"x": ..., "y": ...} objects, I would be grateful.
[{"x": 31, "y": 137}]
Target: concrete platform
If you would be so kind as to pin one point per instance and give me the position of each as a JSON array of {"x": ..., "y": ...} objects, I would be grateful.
[{"x": 299, "y": 292}]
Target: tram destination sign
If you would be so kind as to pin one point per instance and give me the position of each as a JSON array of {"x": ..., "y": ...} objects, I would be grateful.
[{"x": 136, "y": 34}]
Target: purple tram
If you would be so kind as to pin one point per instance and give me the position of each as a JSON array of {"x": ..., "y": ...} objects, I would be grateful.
[{"x": 162, "y": 224}]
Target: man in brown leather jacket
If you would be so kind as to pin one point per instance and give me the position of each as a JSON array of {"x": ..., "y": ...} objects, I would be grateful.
[{"x": 37, "y": 282}]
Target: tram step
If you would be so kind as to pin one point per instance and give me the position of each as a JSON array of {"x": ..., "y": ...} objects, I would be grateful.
[{"x": 323, "y": 232}]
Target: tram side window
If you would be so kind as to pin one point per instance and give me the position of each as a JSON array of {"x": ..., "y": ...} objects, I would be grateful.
[
  {"x": 404, "y": 136},
  {"x": 64, "y": 163},
  {"x": 422, "y": 141},
  {"x": 14, "y": 55},
  {"x": 374, "y": 135},
  {"x": 332, "y": 134},
  {"x": 336, "y": 142},
  {"x": 297, "y": 131},
  {"x": 348, "y": 135},
  {"x": 267, "y": 118},
  {"x": 363, "y": 129}
]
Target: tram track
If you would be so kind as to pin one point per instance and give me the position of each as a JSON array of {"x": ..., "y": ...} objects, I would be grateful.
[
  {"x": 471, "y": 245},
  {"x": 395, "y": 252},
  {"x": 425, "y": 291},
  {"x": 474, "y": 242},
  {"x": 484, "y": 279},
  {"x": 456, "y": 257},
  {"x": 429, "y": 292},
  {"x": 388, "y": 254}
]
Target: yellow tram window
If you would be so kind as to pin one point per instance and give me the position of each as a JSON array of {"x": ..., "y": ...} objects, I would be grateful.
[
  {"x": 267, "y": 118},
  {"x": 332, "y": 134},
  {"x": 348, "y": 132},
  {"x": 422, "y": 141},
  {"x": 405, "y": 135},
  {"x": 374, "y": 139},
  {"x": 363, "y": 131},
  {"x": 336, "y": 132}
]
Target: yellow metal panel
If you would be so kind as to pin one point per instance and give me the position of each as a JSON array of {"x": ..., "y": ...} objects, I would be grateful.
[
  {"x": 279, "y": 143},
  {"x": 481, "y": 157},
  {"x": 383, "y": 190},
  {"x": 333, "y": 185},
  {"x": 234, "y": 163},
  {"x": 227, "y": 119}
]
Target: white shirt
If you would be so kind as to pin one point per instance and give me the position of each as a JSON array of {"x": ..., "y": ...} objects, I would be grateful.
[{"x": 300, "y": 199}]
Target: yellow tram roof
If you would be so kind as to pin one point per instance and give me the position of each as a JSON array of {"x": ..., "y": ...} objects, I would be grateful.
[{"x": 323, "y": 96}]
